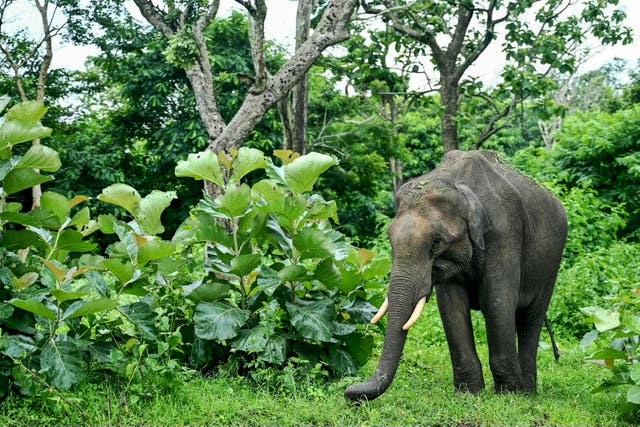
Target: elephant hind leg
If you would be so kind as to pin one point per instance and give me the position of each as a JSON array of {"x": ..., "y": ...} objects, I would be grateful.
[{"x": 529, "y": 323}]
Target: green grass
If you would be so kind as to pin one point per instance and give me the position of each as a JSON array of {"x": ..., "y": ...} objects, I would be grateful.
[{"x": 422, "y": 394}]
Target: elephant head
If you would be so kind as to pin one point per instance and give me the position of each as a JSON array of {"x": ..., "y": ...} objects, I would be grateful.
[{"x": 433, "y": 236}]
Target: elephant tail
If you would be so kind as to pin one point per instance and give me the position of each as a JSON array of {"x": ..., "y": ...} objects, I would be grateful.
[{"x": 556, "y": 352}]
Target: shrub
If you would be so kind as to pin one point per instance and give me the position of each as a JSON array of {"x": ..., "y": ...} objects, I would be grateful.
[
  {"x": 617, "y": 340},
  {"x": 593, "y": 279},
  {"x": 281, "y": 282}
]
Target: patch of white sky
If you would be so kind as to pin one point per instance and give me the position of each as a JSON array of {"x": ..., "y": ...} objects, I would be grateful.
[{"x": 280, "y": 26}]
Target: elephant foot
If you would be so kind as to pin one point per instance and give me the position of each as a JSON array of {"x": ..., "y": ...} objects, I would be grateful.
[
  {"x": 509, "y": 387},
  {"x": 469, "y": 381}
]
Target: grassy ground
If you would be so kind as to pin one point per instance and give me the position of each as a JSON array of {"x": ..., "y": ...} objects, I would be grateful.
[{"x": 421, "y": 395}]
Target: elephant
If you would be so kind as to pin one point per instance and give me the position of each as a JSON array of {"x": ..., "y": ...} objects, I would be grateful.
[{"x": 489, "y": 238}]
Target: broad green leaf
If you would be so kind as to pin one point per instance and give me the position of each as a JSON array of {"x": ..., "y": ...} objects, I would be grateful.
[
  {"x": 71, "y": 240},
  {"x": 351, "y": 279},
  {"x": 81, "y": 218},
  {"x": 633, "y": 394},
  {"x": 242, "y": 265},
  {"x": 209, "y": 229},
  {"x": 106, "y": 224},
  {"x": 359, "y": 347},
  {"x": 276, "y": 349},
  {"x": 290, "y": 273},
  {"x": 632, "y": 322},
  {"x": 269, "y": 190},
  {"x": 361, "y": 311},
  {"x": 62, "y": 296},
  {"x": 589, "y": 338},
  {"x": 36, "y": 218},
  {"x": 328, "y": 274},
  {"x": 209, "y": 290},
  {"x": 56, "y": 203},
  {"x": 218, "y": 320},
  {"x": 90, "y": 307},
  {"x": 18, "y": 346},
  {"x": 155, "y": 249},
  {"x": 314, "y": 320},
  {"x": 252, "y": 340},
  {"x": 34, "y": 306},
  {"x": 22, "y": 123},
  {"x": 342, "y": 361},
  {"x": 122, "y": 195},
  {"x": 314, "y": 243},
  {"x": 247, "y": 160},
  {"x": 603, "y": 319},
  {"x": 62, "y": 363},
  {"x": 151, "y": 208},
  {"x": 302, "y": 173},
  {"x": 235, "y": 201},
  {"x": 122, "y": 269},
  {"x": 21, "y": 179},
  {"x": 40, "y": 157},
  {"x": 318, "y": 208},
  {"x": 141, "y": 314},
  {"x": 19, "y": 239},
  {"x": 128, "y": 241},
  {"x": 634, "y": 372},
  {"x": 608, "y": 354},
  {"x": 203, "y": 165},
  {"x": 268, "y": 280}
]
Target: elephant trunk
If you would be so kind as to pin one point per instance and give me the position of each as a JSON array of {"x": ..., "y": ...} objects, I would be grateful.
[{"x": 401, "y": 308}]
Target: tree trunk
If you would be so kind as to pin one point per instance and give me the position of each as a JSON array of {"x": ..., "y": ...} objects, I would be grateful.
[
  {"x": 43, "y": 8},
  {"x": 449, "y": 121},
  {"x": 300, "y": 92},
  {"x": 332, "y": 29}
]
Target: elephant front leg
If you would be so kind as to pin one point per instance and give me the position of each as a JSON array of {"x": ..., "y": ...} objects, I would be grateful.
[
  {"x": 503, "y": 355},
  {"x": 453, "y": 304}
]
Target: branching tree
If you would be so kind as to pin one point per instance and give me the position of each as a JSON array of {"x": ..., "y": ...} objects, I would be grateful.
[
  {"x": 183, "y": 24},
  {"x": 538, "y": 37}
]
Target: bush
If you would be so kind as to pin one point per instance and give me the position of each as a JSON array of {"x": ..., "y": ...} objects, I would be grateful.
[
  {"x": 617, "y": 340},
  {"x": 281, "y": 287},
  {"x": 281, "y": 282},
  {"x": 593, "y": 279}
]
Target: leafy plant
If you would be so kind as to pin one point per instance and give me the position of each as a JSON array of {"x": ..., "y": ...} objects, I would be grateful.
[
  {"x": 66, "y": 311},
  {"x": 617, "y": 336},
  {"x": 281, "y": 282}
]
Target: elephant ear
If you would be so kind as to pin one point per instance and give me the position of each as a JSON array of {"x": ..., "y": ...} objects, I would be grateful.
[{"x": 477, "y": 219}]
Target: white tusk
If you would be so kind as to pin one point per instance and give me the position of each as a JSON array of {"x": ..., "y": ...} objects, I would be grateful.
[
  {"x": 416, "y": 314},
  {"x": 381, "y": 312}
]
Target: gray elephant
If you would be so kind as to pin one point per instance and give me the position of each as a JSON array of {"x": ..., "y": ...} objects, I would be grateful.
[{"x": 490, "y": 239}]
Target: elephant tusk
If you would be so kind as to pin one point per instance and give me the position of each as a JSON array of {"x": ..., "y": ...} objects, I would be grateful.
[
  {"x": 381, "y": 312},
  {"x": 416, "y": 314}
]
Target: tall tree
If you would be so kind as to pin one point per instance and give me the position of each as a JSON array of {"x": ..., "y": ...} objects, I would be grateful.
[
  {"x": 456, "y": 33},
  {"x": 184, "y": 25}
]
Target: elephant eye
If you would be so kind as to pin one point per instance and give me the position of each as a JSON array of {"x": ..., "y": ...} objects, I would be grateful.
[{"x": 437, "y": 246}]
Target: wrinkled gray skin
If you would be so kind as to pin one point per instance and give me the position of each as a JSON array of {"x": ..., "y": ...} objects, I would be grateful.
[{"x": 490, "y": 239}]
